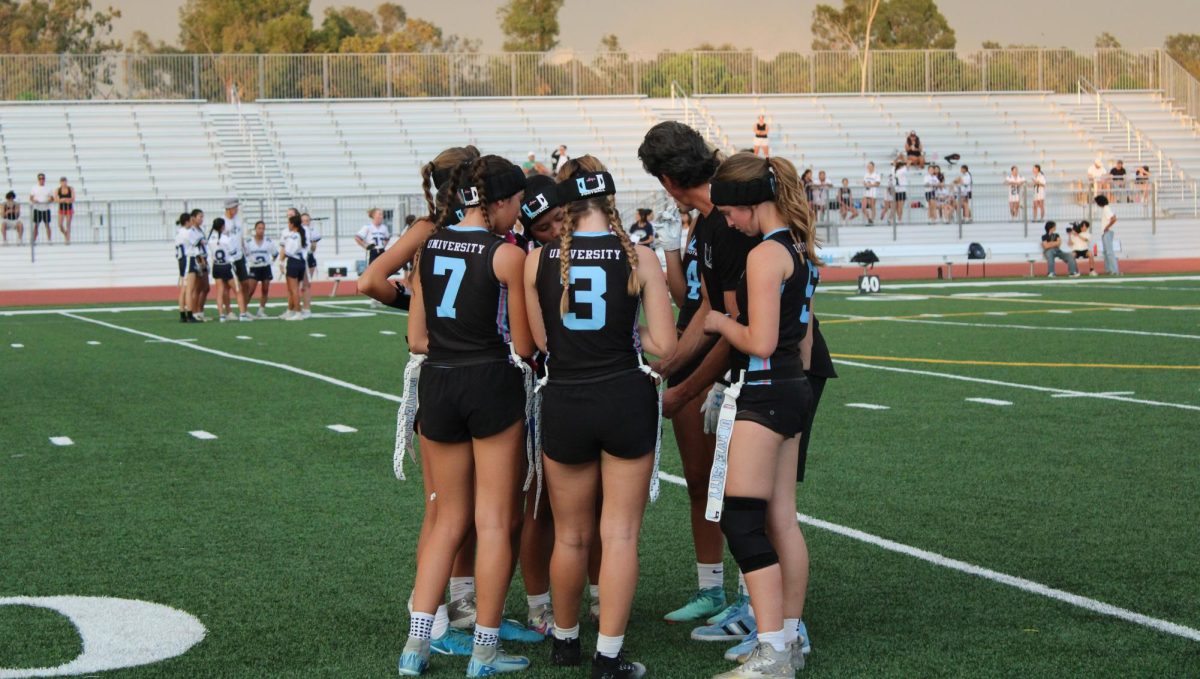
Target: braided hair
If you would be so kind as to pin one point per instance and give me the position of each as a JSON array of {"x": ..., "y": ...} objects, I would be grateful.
[
  {"x": 575, "y": 211},
  {"x": 443, "y": 164}
]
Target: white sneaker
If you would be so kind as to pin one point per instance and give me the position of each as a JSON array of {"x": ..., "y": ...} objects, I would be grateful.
[
  {"x": 1050, "y": 275},
  {"x": 291, "y": 316},
  {"x": 262, "y": 313},
  {"x": 1092, "y": 273},
  {"x": 244, "y": 317},
  {"x": 222, "y": 319},
  {"x": 306, "y": 313}
]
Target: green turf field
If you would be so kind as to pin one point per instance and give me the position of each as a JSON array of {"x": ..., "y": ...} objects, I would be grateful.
[{"x": 1051, "y": 529}]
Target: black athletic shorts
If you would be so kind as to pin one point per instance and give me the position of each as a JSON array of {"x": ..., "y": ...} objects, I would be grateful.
[
  {"x": 41, "y": 216},
  {"x": 929, "y": 195},
  {"x": 464, "y": 402},
  {"x": 373, "y": 254},
  {"x": 222, "y": 272},
  {"x": 182, "y": 262},
  {"x": 312, "y": 261},
  {"x": 296, "y": 268},
  {"x": 239, "y": 270},
  {"x": 618, "y": 415},
  {"x": 261, "y": 273},
  {"x": 781, "y": 406},
  {"x": 1080, "y": 254},
  {"x": 193, "y": 266},
  {"x": 902, "y": 196}
]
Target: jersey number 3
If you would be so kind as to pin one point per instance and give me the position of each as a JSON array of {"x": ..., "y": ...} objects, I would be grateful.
[
  {"x": 593, "y": 297},
  {"x": 457, "y": 268}
]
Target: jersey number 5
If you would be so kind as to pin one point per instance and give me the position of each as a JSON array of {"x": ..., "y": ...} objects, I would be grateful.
[
  {"x": 593, "y": 297},
  {"x": 457, "y": 268}
]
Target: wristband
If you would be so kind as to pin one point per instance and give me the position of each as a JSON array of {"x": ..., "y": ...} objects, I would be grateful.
[{"x": 399, "y": 301}]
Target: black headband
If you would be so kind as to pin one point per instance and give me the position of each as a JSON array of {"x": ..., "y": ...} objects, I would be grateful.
[
  {"x": 538, "y": 202},
  {"x": 497, "y": 186},
  {"x": 757, "y": 190},
  {"x": 440, "y": 177},
  {"x": 586, "y": 186}
]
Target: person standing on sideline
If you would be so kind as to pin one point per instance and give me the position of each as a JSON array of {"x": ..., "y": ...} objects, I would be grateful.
[
  {"x": 761, "y": 143},
  {"x": 1052, "y": 250},
  {"x": 40, "y": 197},
  {"x": 261, "y": 251},
  {"x": 12, "y": 217},
  {"x": 965, "y": 191},
  {"x": 310, "y": 258},
  {"x": 236, "y": 253},
  {"x": 66, "y": 208},
  {"x": 373, "y": 237},
  {"x": 871, "y": 182},
  {"x": 181, "y": 260},
  {"x": 642, "y": 231},
  {"x": 1108, "y": 232}
]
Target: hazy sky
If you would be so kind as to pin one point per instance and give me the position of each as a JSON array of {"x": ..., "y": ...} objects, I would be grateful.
[{"x": 651, "y": 25}]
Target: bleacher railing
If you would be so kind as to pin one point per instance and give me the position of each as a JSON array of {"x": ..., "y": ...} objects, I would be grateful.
[
  {"x": 249, "y": 77},
  {"x": 1181, "y": 87}
]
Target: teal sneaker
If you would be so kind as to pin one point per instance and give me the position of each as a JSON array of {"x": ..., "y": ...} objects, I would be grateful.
[
  {"x": 511, "y": 630},
  {"x": 415, "y": 658},
  {"x": 738, "y": 602},
  {"x": 735, "y": 626},
  {"x": 704, "y": 602},
  {"x": 805, "y": 644},
  {"x": 498, "y": 662},
  {"x": 453, "y": 642},
  {"x": 740, "y": 652}
]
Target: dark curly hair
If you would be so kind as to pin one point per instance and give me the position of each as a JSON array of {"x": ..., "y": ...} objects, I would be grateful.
[{"x": 672, "y": 149}]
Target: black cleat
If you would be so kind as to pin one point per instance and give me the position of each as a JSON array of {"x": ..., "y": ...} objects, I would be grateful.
[
  {"x": 604, "y": 667},
  {"x": 565, "y": 652}
]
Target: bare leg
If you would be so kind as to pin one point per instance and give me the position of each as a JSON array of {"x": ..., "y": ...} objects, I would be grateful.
[
  {"x": 573, "y": 489},
  {"x": 498, "y": 463},
  {"x": 626, "y": 484},
  {"x": 452, "y": 469}
]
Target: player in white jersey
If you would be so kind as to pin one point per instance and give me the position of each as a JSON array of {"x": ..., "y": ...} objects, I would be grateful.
[
  {"x": 236, "y": 253},
  {"x": 931, "y": 182},
  {"x": 261, "y": 252},
  {"x": 181, "y": 233},
  {"x": 310, "y": 258},
  {"x": 294, "y": 248},
  {"x": 373, "y": 237},
  {"x": 1039, "y": 194},
  {"x": 1014, "y": 181},
  {"x": 965, "y": 192},
  {"x": 871, "y": 182},
  {"x": 197, "y": 267},
  {"x": 219, "y": 247}
]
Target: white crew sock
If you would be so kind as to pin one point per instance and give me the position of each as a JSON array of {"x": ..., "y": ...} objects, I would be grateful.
[
  {"x": 536, "y": 600},
  {"x": 777, "y": 639},
  {"x": 564, "y": 633},
  {"x": 609, "y": 646},
  {"x": 441, "y": 623},
  {"x": 420, "y": 625},
  {"x": 710, "y": 574},
  {"x": 461, "y": 587},
  {"x": 791, "y": 629},
  {"x": 594, "y": 592},
  {"x": 487, "y": 636}
]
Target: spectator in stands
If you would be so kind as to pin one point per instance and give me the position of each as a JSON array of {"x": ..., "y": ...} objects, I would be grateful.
[
  {"x": 889, "y": 196},
  {"x": 1108, "y": 233},
  {"x": 559, "y": 157},
  {"x": 532, "y": 166},
  {"x": 900, "y": 187},
  {"x": 966, "y": 191},
  {"x": 760, "y": 137},
  {"x": 1079, "y": 239},
  {"x": 1117, "y": 175},
  {"x": 1097, "y": 178},
  {"x": 806, "y": 180},
  {"x": 821, "y": 202},
  {"x": 945, "y": 195},
  {"x": 914, "y": 154},
  {"x": 930, "y": 182},
  {"x": 1015, "y": 182},
  {"x": 846, "y": 202},
  {"x": 1052, "y": 249},
  {"x": 66, "y": 208},
  {"x": 871, "y": 182},
  {"x": 1039, "y": 194},
  {"x": 40, "y": 198},
  {"x": 1141, "y": 180},
  {"x": 642, "y": 231},
  {"x": 12, "y": 217}
]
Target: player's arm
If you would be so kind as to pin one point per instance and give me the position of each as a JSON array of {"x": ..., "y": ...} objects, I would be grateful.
[
  {"x": 764, "y": 271},
  {"x": 418, "y": 333},
  {"x": 676, "y": 277},
  {"x": 660, "y": 336},
  {"x": 533, "y": 305},
  {"x": 509, "y": 267},
  {"x": 374, "y": 281}
]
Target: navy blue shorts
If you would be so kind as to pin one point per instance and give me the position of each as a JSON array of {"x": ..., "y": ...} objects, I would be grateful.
[
  {"x": 312, "y": 261},
  {"x": 222, "y": 272},
  {"x": 296, "y": 268},
  {"x": 239, "y": 270},
  {"x": 182, "y": 266},
  {"x": 261, "y": 274}
]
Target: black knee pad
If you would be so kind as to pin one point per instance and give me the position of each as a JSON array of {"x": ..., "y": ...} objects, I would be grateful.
[{"x": 744, "y": 523}]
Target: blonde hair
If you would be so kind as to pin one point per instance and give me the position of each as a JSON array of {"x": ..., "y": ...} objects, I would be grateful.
[
  {"x": 573, "y": 212},
  {"x": 371, "y": 212},
  {"x": 445, "y": 161},
  {"x": 790, "y": 199}
]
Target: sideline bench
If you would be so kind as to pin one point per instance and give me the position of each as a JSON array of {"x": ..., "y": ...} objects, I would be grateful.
[{"x": 948, "y": 253}]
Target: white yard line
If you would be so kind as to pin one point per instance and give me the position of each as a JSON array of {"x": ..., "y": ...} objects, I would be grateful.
[
  {"x": 868, "y": 406},
  {"x": 1093, "y": 282},
  {"x": 62, "y": 441},
  {"x": 342, "y": 429},
  {"x": 203, "y": 435},
  {"x": 855, "y": 534},
  {"x": 990, "y": 401},
  {"x": 1015, "y": 326}
]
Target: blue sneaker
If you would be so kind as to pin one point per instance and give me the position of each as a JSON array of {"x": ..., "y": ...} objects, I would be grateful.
[
  {"x": 704, "y": 602},
  {"x": 415, "y": 658},
  {"x": 498, "y": 662},
  {"x": 742, "y": 651},
  {"x": 805, "y": 644},
  {"x": 735, "y": 626},
  {"x": 453, "y": 642},
  {"x": 738, "y": 602},
  {"x": 511, "y": 630}
]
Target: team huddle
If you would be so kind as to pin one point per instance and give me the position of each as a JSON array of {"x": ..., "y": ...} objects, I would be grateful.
[{"x": 539, "y": 414}]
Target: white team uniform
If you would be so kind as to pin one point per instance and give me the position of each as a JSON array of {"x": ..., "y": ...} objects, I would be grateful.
[
  {"x": 964, "y": 188},
  {"x": 931, "y": 182},
  {"x": 290, "y": 242},
  {"x": 1039, "y": 186},
  {"x": 376, "y": 237},
  {"x": 871, "y": 181},
  {"x": 237, "y": 237},
  {"x": 219, "y": 244},
  {"x": 260, "y": 254},
  {"x": 1014, "y": 187}
]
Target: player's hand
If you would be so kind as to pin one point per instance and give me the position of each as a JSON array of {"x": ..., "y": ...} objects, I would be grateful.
[
  {"x": 711, "y": 409},
  {"x": 670, "y": 228},
  {"x": 673, "y": 401},
  {"x": 714, "y": 321}
]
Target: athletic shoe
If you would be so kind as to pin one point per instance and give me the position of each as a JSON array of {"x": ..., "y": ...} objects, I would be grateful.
[
  {"x": 604, "y": 667},
  {"x": 740, "y": 601},
  {"x": 541, "y": 619},
  {"x": 453, "y": 642},
  {"x": 764, "y": 663},
  {"x": 193, "y": 319},
  {"x": 221, "y": 319},
  {"x": 805, "y": 644},
  {"x": 511, "y": 630},
  {"x": 415, "y": 658},
  {"x": 292, "y": 316},
  {"x": 735, "y": 626},
  {"x": 565, "y": 652},
  {"x": 230, "y": 316},
  {"x": 1093, "y": 273},
  {"x": 742, "y": 651},
  {"x": 462, "y": 612},
  {"x": 497, "y": 663},
  {"x": 306, "y": 313},
  {"x": 1075, "y": 275},
  {"x": 244, "y": 317},
  {"x": 1050, "y": 275},
  {"x": 262, "y": 313},
  {"x": 801, "y": 646},
  {"x": 704, "y": 602}
]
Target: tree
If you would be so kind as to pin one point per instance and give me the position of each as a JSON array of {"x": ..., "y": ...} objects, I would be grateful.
[
  {"x": 610, "y": 43},
  {"x": 530, "y": 25},
  {"x": 245, "y": 26},
  {"x": 893, "y": 24},
  {"x": 55, "y": 26},
  {"x": 1185, "y": 48},
  {"x": 1107, "y": 40}
]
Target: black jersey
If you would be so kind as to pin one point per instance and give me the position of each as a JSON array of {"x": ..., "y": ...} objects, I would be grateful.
[
  {"x": 598, "y": 337},
  {"x": 794, "y": 314},
  {"x": 724, "y": 251},
  {"x": 466, "y": 307},
  {"x": 691, "y": 274}
]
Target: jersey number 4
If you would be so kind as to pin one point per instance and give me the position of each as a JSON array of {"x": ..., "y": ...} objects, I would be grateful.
[
  {"x": 456, "y": 268},
  {"x": 693, "y": 280},
  {"x": 593, "y": 297}
]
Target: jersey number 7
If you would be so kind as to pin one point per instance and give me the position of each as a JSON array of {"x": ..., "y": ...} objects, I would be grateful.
[{"x": 457, "y": 268}]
